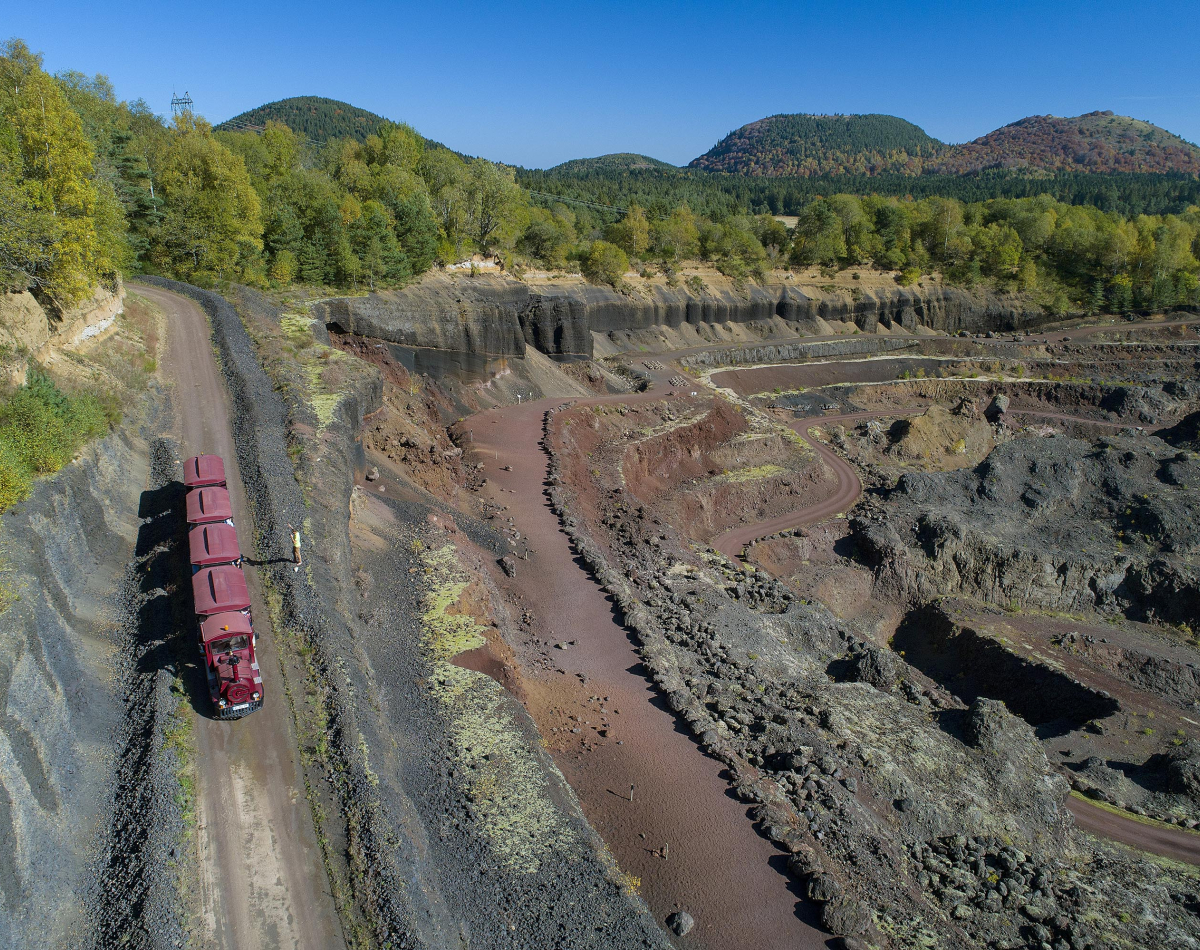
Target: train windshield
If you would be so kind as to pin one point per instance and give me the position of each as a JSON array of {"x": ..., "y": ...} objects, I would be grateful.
[{"x": 232, "y": 645}]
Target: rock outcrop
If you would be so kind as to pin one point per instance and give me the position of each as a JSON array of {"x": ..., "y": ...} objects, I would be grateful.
[
  {"x": 27, "y": 329},
  {"x": 1009, "y": 531},
  {"x": 497, "y": 317}
]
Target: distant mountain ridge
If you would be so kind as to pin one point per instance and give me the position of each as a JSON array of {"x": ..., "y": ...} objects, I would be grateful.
[
  {"x": 317, "y": 118},
  {"x": 1095, "y": 142},
  {"x": 810, "y": 145},
  {"x": 807, "y": 145},
  {"x": 615, "y": 161}
]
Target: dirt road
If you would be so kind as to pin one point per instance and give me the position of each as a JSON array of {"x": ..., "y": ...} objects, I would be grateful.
[
  {"x": 718, "y": 868},
  {"x": 1157, "y": 839},
  {"x": 262, "y": 880},
  {"x": 849, "y": 486}
]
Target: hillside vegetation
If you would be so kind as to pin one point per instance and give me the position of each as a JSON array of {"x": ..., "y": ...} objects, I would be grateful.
[
  {"x": 311, "y": 117},
  {"x": 125, "y": 192},
  {"x": 807, "y": 145},
  {"x": 869, "y": 145},
  {"x": 1096, "y": 142},
  {"x": 616, "y": 162}
]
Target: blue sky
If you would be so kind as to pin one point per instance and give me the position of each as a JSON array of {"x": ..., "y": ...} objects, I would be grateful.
[{"x": 538, "y": 83}]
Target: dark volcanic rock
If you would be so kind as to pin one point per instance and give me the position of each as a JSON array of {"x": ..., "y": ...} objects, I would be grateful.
[
  {"x": 1185, "y": 434},
  {"x": 1183, "y": 774},
  {"x": 1052, "y": 523},
  {"x": 681, "y": 923},
  {"x": 467, "y": 316},
  {"x": 492, "y": 317}
]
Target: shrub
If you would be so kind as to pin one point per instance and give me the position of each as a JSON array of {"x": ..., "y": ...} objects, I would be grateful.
[
  {"x": 14, "y": 478},
  {"x": 605, "y": 264},
  {"x": 41, "y": 429},
  {"x": 283, "y": 268}
]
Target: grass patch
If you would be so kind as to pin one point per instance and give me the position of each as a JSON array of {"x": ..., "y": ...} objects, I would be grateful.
[
  {"x": 757, "y": 473},
  {"x": 179, "y": 736},
  {"x": 41, "y": 429},
  {"x": 449, "y": 631}
]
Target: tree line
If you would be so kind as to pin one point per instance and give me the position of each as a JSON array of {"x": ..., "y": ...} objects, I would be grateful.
[
  {"x": 92, "y": 187},
  {"x": 1070, "y": 257},
  {"x": 659, "y": 189}
]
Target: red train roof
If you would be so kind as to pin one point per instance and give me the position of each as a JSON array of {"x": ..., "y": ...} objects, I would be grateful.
[
  {"x": 219, "y": 626},
  {"x": 201, "y": 470},
  {"x": 206, "y": 505},
  {"x": 212, "y": 544},
  {"x": 220, "y": 589}
]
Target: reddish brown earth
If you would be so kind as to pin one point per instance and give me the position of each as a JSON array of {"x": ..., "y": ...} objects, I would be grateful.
[
  {"x": 690, "y": 843},
  {"x": 716, "y": 866},
  {"x": 791, "y": 376},
  {"x": 849, "y": 488}
]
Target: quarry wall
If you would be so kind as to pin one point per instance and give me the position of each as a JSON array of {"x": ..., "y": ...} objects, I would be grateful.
[{"x": 495, "y": 317}]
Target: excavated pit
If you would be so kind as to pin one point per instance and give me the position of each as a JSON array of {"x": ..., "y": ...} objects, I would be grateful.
[{"x": 973, "y": 666}]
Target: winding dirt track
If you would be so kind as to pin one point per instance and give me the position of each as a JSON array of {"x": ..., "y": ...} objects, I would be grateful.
[
  {"x": 1157, "y": 839},
  {"x": 849, "y": 487},
  {"x": 262, "y": 880}
]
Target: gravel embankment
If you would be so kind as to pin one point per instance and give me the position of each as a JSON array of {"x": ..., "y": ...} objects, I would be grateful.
[
  {"x": 89, "y": 818},
  {"x": 134, "y": 900},
  {"x": 424, "y": 871}
]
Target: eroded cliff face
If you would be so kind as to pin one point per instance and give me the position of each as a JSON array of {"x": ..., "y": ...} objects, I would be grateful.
[
  {"x": 27, "y": 329},
  {"x": 90, "y": 807},
  {"x": 495, "y": 317}
]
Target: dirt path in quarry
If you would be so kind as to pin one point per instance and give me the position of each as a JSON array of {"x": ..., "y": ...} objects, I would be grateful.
[
  {"x": 1143, "y": 835},
  {"x": 849, "y": 487},
  {"x": 262, "y": 880},
  {"x": 717, "y": 867}
]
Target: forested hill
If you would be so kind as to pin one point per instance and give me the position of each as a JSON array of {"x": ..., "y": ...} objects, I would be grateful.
[
  {"x": 313, "y": 117},
  {"x": 615, "y": 162},
  {"x": 869, "y": 145},
  {"x": 1096, "y": 142},
  {"x": 806, "y": 145}
]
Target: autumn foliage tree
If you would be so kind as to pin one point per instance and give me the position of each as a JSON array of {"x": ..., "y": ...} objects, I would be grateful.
[{"x": 61, "y": 228}]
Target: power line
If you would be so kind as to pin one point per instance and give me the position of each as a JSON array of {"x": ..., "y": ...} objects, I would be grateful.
[{"x": 180, "y": 103}]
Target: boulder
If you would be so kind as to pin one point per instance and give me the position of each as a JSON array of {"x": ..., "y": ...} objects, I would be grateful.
[
  {"x": 681, "y": 923},
  {"x": 997, "y": 408},
  {"x": 824, "y": 887},
  {"x": 845, "y": 915}
]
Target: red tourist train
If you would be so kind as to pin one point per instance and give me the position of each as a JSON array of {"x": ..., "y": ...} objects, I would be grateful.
[{"x": 219, "y": 592}]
